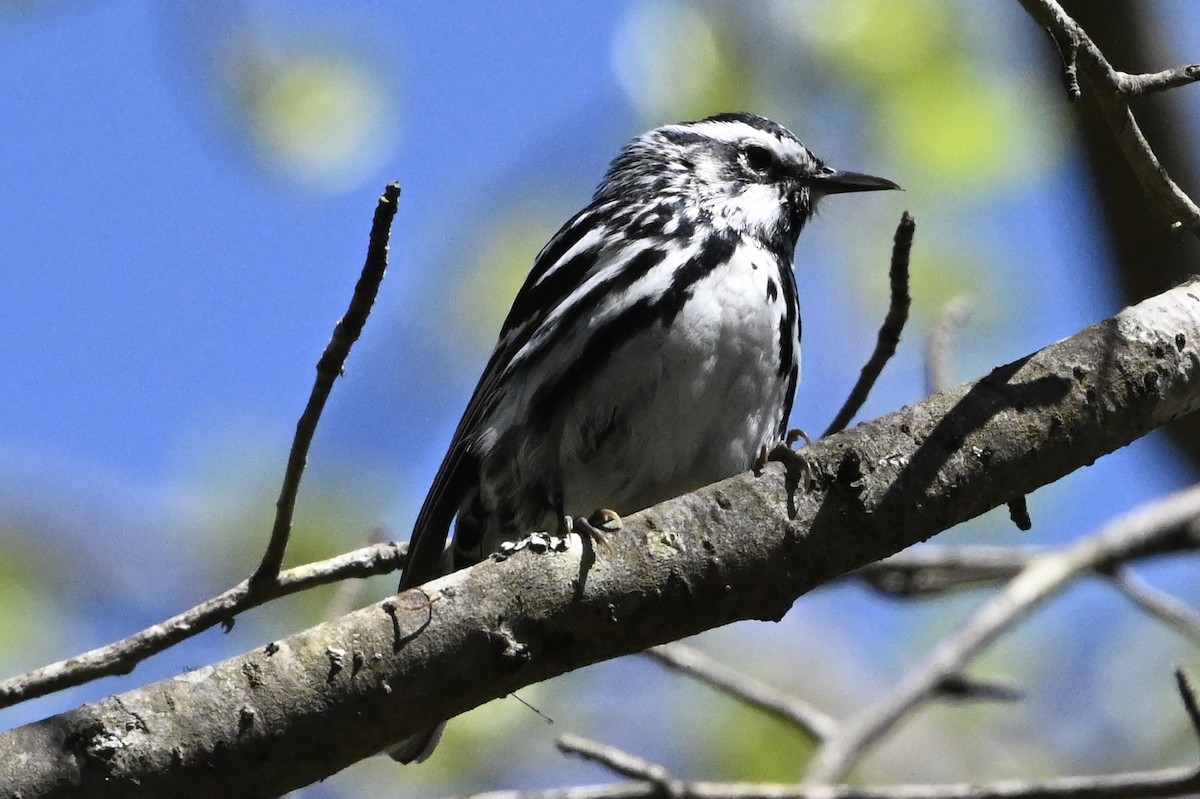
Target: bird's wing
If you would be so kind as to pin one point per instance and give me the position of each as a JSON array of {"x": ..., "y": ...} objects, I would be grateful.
[{"x": 562, "y": 264}]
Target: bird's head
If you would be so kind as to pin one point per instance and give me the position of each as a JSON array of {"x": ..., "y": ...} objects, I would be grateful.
[{"x": 737, "y": 171}]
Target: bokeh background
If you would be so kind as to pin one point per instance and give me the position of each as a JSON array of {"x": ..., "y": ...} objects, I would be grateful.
[{"x": 186, "y": 193}]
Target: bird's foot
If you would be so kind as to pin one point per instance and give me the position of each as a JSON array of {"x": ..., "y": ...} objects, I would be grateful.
[
  {"x": 598, "y": 526},
  {"x": 795, "y": 463}
]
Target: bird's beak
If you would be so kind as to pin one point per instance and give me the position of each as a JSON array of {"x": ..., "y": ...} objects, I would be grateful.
[{"x": 835, "y": 181}]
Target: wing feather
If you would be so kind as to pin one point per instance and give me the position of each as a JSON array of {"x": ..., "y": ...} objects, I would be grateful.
[{"x": 558, "y": 270}]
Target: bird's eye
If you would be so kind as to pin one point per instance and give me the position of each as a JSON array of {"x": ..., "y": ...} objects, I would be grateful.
[{"x": 758, "y": 158}]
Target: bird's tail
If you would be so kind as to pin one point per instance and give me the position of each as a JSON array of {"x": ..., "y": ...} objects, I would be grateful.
[{"x": 417, "y": 748}]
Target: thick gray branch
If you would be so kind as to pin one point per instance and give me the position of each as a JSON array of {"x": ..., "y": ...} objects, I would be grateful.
[{"x": 309, "y": 705}]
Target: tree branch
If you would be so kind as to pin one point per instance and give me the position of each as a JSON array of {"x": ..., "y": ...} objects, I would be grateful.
[
  {"x": 889, "y": 332},
  {"x": 1165, "y": 608},
  {"x": 616, "y": 760},
  {"x": 329, "y": 368},
  {"x": 1176, "y": 782},
  {"x": 1041, "y": 579},
  {"x": 810, "y": 721},
  {"x": 1112, "y": 91},
  {"x": 120, "y": 657},
  {"x": 311, "y": 704},
  {"x": 940, "y": 343}
]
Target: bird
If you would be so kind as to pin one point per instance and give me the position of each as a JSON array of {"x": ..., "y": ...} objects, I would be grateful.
[{"x": 654, "y": 347}]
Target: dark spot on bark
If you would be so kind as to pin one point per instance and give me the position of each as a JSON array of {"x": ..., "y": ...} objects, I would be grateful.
[
  {"x": 253, "y": 674},
  {"x": 245, "y": 719},
  {"x": 850, "y": 473}
]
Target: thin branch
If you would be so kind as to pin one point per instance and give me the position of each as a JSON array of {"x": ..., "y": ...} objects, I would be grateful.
[
  {"x": 1112, "y": 91},
  {"x": 1149, "y": 83},
  {"x": 654, "y": 780},
  {"x": 616, "y": 760},
  {"x": 1161, "y": 606},
  {"x": 122, "y": 656},
  {"x": 812, "y": 722},
  {"x": 961, "y": 689},
  {"x": 1187, "y": 692},
  {"x": 329, "y": 368},
  {"x": 889, "y": 332},
  {"x": 1174, "y": 782},
  {"x": 939, "y": 346},
  {"x": 1042, "y": 578},
  {"x": 346, "y": 596},
  {"x": 931, "y": 571},
  {"x": 1064, "y": 45}
]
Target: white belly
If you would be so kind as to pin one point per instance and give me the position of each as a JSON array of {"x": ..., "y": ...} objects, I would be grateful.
[{"x": 691, "y": 404}]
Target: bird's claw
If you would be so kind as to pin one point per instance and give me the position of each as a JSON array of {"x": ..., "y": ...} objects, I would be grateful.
[
  {"x": 598, "y": 526},
  {"x": 796, "y": 464},
  {"x": 796, "y": 434}
]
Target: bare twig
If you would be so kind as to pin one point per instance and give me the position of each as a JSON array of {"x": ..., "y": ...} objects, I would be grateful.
[
  {"x": 616, "y": 760},
  {"x": 1163, "y": 607},
  {"x": 962, "y": 689},
  {"x": 1042, "y": 578},
  {"x": 1151, "y": 82},
  {"x": 940, "y": 344},
  {"x": 267, "y": 583},
  {"x": 937, "y": 373},
  {"x": 929, "y": 571},
  {"x": 1065, "y": 45},
  {"x": 1112, "y": 91},
  {"x": 889, "y": 332},
  {"x": 1175, "y": 782},
  {"x": 122, "y": 656},
  {"x": 329, "y": 368},
  {"x": 1187, "y": 692},
  {"x": 346, "y": 595},
  {"x": 655, "y": 781},
  {"x": 755, "y": 693}
]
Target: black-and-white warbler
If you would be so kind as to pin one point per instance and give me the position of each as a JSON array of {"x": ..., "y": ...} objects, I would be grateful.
[{"x": 653, "y": 349}]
